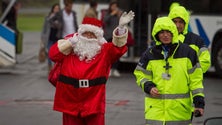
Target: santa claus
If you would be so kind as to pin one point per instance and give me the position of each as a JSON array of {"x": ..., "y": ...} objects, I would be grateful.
[{"x": 86, "y": 59}]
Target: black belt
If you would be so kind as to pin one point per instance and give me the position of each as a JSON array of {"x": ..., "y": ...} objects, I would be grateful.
[{"x": 82, "y": 83}]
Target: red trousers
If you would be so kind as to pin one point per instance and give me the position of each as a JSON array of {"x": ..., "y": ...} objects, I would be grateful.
[{"x": 95, "y": 119}]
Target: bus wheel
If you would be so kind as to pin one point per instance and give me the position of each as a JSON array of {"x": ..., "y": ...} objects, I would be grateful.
[{"x": 217, "y": 58}]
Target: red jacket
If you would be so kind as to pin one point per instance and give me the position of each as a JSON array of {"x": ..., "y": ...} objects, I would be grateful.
[{"x": 84, "y": 101}]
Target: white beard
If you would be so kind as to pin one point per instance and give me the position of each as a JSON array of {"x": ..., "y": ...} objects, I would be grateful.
[{"x": 86, "y": 48}]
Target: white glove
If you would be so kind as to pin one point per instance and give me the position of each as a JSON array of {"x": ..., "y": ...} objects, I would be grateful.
[
  {"x": 126, "y": 18},
  {"x": 74, "y": 39}
]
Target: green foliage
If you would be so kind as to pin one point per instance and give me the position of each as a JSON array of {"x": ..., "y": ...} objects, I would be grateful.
[{"x": 30, "y": 22}]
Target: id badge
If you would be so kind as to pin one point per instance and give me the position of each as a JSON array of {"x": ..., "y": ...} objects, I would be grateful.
[{"x": 166, "y": 76}]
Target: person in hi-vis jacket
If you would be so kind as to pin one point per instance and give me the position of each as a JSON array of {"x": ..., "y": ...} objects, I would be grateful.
[
  {"x": 181, "y": 17},
  {"x": 171, "y": 77}
]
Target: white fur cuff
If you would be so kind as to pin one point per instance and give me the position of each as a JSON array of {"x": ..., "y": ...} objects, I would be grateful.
[
  {"x": 64, "y": 46},
  {"x": 120, "y": 40}
]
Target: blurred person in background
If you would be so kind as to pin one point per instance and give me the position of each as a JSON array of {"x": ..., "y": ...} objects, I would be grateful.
[
  {"x": 181, "y": 18},
  {"x": 92, "y": 12},
  {"x": 48, "y": 37},
  {"x": 110, "y": 22},
  {"x": 66, "y": 20}
]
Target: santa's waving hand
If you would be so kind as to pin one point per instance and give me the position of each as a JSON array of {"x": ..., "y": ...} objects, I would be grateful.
[
  {"x": 86, "y": 59},
  {"x": 121, "y": 29},
  {"x": 126, "y": 18}
]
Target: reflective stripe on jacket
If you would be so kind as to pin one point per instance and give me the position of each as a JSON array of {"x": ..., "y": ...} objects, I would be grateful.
[{"x": 197, "y": 43}]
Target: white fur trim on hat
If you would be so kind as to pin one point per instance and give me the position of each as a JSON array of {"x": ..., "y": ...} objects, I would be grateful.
[{"x": 91, "y": 28}]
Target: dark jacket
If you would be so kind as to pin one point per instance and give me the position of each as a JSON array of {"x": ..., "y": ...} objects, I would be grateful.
[
  {"x": 110, "y": 23},
  {"x": 58, "y": 22}
]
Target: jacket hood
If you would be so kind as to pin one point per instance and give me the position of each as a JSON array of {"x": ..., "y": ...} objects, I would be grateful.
[
  {"x": 164, "y": 23},
  {"x": 174, "y": 4},
  {"x": 181, "y": 12}
]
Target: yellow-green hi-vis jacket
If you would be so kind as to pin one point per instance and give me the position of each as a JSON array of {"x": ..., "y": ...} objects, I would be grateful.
[
  {"x": 193, "y": 40},
  {"x": 182, "y": 83}
]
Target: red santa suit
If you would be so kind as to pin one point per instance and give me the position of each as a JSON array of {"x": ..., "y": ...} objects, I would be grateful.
[{"x": 80, "y": 90}]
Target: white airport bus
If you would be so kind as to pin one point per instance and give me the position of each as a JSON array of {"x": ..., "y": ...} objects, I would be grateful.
[{"x": 209, "y": 27}]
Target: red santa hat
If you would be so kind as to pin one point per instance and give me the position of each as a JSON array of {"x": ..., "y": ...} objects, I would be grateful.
[{"x": 92, "y": 25}]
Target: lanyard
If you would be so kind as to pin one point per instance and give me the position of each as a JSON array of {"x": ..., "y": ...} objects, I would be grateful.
[
  {"x": 166, "y": 75},
  {"x": 165, "y": 51}
]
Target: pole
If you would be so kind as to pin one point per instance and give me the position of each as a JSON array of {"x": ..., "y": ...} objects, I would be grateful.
[{"x": 7, "y": 10}]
